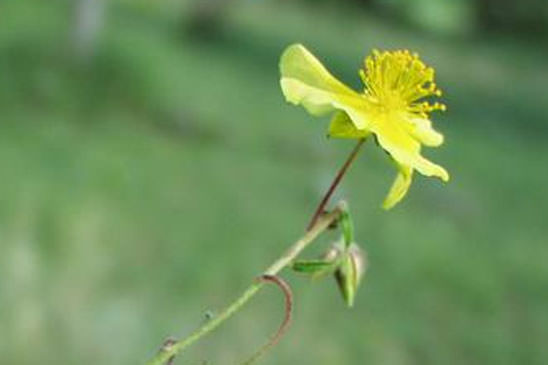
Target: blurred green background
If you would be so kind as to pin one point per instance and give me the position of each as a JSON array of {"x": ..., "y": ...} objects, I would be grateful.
[{"x": 151, "y": 168}]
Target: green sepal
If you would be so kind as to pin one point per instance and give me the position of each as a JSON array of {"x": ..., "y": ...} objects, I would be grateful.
[
  {"x": 341, "y": 126},
  {"x": 347, "y": 227}
]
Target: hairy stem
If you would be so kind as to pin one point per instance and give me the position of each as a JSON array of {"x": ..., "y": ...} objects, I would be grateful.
[
  {"x": 321, "y": 224},
  {"x": 323, "y": 203}
]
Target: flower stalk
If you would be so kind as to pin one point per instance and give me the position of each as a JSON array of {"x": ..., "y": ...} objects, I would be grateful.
[{"x": 323, "y": 203}]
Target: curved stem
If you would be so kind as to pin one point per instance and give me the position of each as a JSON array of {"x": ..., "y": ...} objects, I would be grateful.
[
  {"x": 286, "y": 289},
  {"x": 320, "y": 225},
  {"x": 321, "y": 207}
]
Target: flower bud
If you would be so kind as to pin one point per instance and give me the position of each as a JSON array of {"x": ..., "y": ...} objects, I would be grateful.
[{"x": 350, "y": 272}]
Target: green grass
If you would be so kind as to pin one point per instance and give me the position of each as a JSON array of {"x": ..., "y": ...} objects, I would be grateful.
[{"x": 150, "y": 186}]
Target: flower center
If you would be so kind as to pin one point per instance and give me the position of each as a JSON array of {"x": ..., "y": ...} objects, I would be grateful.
[{"x": 396, "y": 81}]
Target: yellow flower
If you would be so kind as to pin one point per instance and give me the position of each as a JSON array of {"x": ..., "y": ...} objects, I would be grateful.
[{"x": 390, "y": 107}]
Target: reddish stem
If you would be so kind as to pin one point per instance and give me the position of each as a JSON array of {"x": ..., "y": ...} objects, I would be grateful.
[
  {"x": 321, "y": 207},
  {"x": 288, "y": 294}
]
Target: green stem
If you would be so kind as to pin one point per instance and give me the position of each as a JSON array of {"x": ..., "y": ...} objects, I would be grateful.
[{"x": 322, "y": 223}]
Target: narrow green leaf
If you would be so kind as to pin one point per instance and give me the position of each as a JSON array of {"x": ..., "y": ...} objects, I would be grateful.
[{"x": 311, "y": 266}]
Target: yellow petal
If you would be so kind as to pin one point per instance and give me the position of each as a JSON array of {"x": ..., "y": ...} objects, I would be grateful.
[
  {"x": 399, "y": 187},
  {"x": 421, "y": 129},
  {"x": 341, "y": 126},
  {"x": 307, "y": 82},
  {"x": 404, "y": 148}
]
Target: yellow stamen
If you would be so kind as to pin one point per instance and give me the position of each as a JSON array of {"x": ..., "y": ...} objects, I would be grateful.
[{"x": 398, "y": 80}]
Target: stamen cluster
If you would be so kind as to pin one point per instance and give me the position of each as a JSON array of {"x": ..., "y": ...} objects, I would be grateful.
[{"x": 398, "y": 80}]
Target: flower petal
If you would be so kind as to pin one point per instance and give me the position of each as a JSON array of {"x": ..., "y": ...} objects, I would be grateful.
[
  {"x": 307, "y": 82},
  {"x": 399, "y": 187},
  {"x": 341, "y": 126},
  {"x": 421, "y": 129},
  {"x": 404, "y": 148}
]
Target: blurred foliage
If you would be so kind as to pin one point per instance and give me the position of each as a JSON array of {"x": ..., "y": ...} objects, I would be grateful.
[
  {"x": 527, "y": 17},
  {"x": 445, "y": 17},
  {"x": 147, "y": 185}
]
